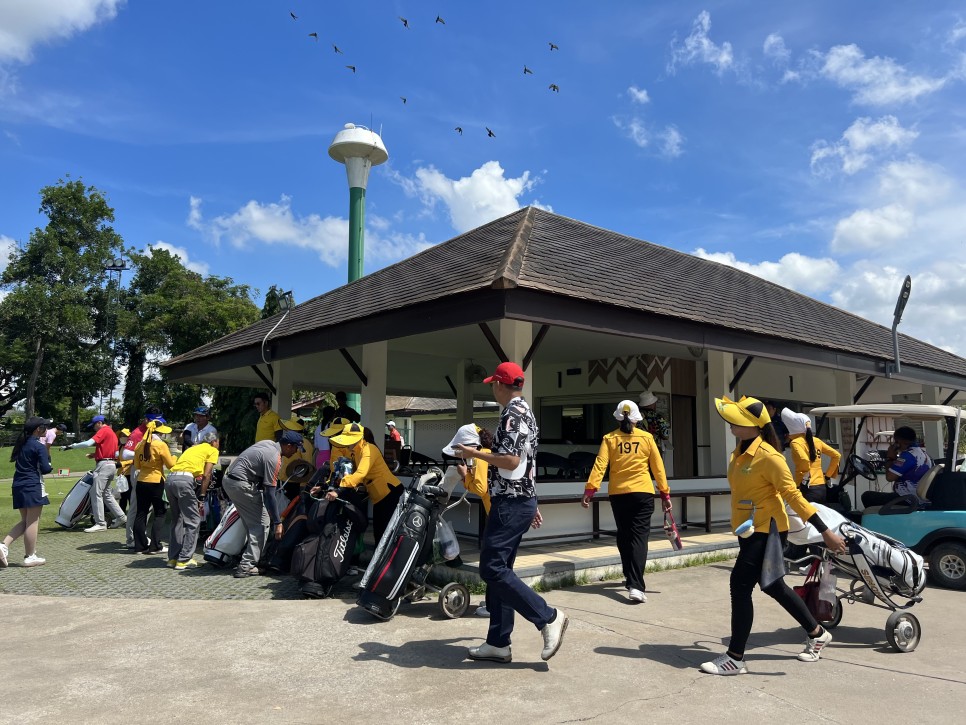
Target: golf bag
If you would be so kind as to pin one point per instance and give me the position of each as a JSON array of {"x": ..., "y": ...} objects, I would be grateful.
[
  {"x": 77, "y": 503},
  {"x": 277, "y": 554},
  {"x": 889, "y": 563},
  {"x": 322, "y": 559},
  {"x": 406, "y": 545},
  {"x": 225, "y": 544}
]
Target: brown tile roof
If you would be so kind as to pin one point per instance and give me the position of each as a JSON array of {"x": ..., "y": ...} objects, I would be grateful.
[{"x": 545, "y": 252}]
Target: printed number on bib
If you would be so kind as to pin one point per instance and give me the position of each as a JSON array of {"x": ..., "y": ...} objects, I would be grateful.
[{"x": 624, "y": 447}]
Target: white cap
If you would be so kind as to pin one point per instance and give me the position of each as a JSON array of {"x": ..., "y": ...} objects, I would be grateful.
[
  {"x": 630, "y": 408},
  {"x": 467, "y": 435},
  {"x": 795, "y": 422},
  {"x": 647, "y": 398},
  {"x": 391, "y": 423}
]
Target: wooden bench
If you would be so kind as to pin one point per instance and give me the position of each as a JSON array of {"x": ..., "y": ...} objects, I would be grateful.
[{"x": 706, "y": 495}]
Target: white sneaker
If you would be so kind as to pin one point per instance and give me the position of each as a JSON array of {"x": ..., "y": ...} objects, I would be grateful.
[
  {"x": 813, "y": 647},
  {"x": 724, "y": 665},
  {"x": 482, "y": 611},
  {"x": 95, "y": 528},
  {"x": 4, "y": 551},
  {"x": 34, "y": 560},
  {"x": 553, "y": 635},
  {"x": 636, "y": 595},
  {"x": 490, "y": 653}
]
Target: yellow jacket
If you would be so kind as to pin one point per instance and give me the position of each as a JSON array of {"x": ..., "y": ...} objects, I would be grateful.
[
  {"x": 633, "y": 457},
  {"x": 799, "y": 447},
  {"x": 761, "y": 475},
  {"x": 476, "y": 480},
  {"x": 368, "y": 468},
  {"x": 151, "y": 470}
]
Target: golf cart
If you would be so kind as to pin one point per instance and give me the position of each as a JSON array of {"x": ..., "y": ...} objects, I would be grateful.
[{"x": 932, "y": 523}]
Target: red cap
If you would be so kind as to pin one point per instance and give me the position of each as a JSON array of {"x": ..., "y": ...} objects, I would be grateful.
[{"x": 508, "y": 373}]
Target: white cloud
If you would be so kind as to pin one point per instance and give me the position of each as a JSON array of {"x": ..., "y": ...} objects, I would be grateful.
[
  {"x": 486, "y": 194},
  {"x": 328, "y": 237},
  {"x": 808, "y": 275},
  {"x": 638, "y": 95},
  {"x": 26, "y": 23},
  {"x": 774, "y": 47},
  {"x": 699, "y": 48},
  {"x": 915, "y": 182},
  {"x": 671, "y": 142},
  {"x": 7, "y": 247},
  {"x": 855, "y": 149},
  {"x": 182, "y": 254},
  {"x": 875, "y": 81},
  {"x": 634, "y": 130},
  {"x": 958, "y": 32},
  {"x": 873, "y": 229}
]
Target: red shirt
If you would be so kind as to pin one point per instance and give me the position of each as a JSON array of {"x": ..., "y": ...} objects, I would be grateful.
[
  {"x": 105, "y": 443},
  {"x": 136, "y": 435}
]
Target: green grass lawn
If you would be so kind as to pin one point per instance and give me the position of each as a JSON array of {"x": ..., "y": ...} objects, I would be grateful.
[{"x": 57, "y": 487}]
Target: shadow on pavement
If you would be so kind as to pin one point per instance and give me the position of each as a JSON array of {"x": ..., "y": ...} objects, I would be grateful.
[{"x": 443, "y": 654}]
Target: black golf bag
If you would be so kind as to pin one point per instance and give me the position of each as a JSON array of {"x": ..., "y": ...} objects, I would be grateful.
[
  {"x": 324, "y": 557},
  {"x": 406, "y": 546}
]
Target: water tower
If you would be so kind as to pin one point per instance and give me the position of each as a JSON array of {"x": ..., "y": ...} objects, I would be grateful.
[{"x": 359, "y": 149}]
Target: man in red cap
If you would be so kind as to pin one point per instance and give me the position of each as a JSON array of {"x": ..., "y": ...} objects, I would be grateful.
[{"x": 513, "y": 509}]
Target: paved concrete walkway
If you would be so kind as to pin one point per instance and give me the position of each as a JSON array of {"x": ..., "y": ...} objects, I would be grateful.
[{"x": 73, "y": 659}]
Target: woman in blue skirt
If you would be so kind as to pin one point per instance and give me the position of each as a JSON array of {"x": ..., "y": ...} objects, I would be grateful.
[{"x": 29, "y": 497}]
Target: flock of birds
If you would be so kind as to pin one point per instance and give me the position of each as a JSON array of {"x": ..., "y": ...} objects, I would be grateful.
[{"x": 439, "y": 21}]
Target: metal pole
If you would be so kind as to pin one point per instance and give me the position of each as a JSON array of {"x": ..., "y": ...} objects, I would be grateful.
[{"x": 357, "y": 226}]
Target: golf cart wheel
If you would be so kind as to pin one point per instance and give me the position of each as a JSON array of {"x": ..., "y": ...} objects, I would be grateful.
[
  {"x": 947, "y": 565},
  {"x": 836, "y": 617},
  {"x": 903, "y": 631},
  {"x": 454, "y": 600}
]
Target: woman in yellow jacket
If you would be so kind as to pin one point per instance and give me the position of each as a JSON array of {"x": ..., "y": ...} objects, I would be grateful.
[
  {"x": 635, "y": 465},
  {"x": 370, "y": 470},
  {"x": 151, "y": 457},
  {"x": 807, "y": 452},
  {"x": 761, "y": 484}
]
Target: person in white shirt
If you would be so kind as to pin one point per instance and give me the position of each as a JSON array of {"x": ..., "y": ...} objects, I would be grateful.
[{"x": 194, "y": 432}]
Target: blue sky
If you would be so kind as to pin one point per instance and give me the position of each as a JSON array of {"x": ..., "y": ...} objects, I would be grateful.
[{"x": 820, "y": 145}]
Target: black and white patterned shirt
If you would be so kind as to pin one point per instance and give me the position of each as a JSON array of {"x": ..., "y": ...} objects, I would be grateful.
[{"x": 516, "y": 435}]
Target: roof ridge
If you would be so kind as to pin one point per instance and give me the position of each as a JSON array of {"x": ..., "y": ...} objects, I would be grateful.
[{"x": 508, "y": 273}]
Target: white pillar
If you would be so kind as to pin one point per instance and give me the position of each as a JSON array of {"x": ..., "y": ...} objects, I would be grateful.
[
  {"x": 932, "y": 430},
  {"x": 375, "y": 365},
  {"x": 515, "y": 339},
  {"x": 720, "y": 372},
  {"x": 464, "y": 394},
  {"x": 282, "y": 380},
  {"x": 845, "y": 388}
]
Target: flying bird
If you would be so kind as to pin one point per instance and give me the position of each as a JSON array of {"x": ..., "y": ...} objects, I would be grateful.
[
  {"x": 352, "y": 68},
  {"x": 489, "y": 133},
  {"x": 404, "y": 21},
  {"x": 294, "y": 16},
  {"x": 440, "y": 20},
  {"x": 554, "y": 87},
  {"x": 314, "y": 35},
  {"x": 403, "y": 99},
  {"x": 553, "y": 47},
  {"x": 527, "y": 70},
  {"x": 459, "y": 130},
  {"x": 336, "y": 49}
]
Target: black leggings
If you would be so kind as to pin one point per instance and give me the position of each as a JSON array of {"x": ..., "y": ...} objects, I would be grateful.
[
  {"x": 744, "y": 578},
  {"x": 382, "y": 512},
  {"x": 148, "y": 495}
]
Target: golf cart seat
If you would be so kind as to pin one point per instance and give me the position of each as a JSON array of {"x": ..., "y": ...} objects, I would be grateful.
[{"x": 906, "y": 504}]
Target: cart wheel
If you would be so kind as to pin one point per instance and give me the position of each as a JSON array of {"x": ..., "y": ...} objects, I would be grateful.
[
  {"x": 454, "y": 600},
  {"x": 836, "y": 617},
  {"x": 903, "y": 631}
]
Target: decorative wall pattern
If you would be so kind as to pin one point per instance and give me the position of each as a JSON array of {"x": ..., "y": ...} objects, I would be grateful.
[{"x": 633, "y": 371}]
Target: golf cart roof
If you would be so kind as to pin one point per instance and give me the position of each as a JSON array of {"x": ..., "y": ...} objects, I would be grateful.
[{"x": 910, "y": 411}]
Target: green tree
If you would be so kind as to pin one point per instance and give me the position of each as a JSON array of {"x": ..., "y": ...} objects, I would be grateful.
[{"x": 57, "y": 301}]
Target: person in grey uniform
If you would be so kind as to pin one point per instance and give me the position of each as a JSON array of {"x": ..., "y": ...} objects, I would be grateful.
[{"x": 250, "y": 484}]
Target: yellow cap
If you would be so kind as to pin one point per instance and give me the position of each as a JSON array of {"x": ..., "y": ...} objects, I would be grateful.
[
  {"x": 747, "y": 411},
  {"x": 292, "y": 423},
  {"x": 336, "y": 426},
  {"x": 350, "y": 435},
  {"x": 125, "y": 432}
]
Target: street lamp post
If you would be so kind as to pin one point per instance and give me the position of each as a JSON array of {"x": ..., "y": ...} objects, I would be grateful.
[{"x": 118, "y": 265}]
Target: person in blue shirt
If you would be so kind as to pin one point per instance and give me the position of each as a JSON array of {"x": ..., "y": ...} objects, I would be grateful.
[
  {"x": 29, "y": 497},
  {"x": 907, "y": 462}
]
